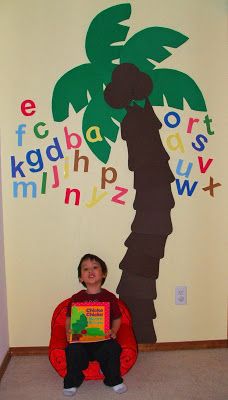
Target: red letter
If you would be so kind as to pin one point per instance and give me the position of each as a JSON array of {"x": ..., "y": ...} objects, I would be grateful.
[
  {"x": 56, "y": 176},
  {"x": 190, "y": 123},
  {"x": 28, "y": 105},
  {"x": 77, "y": 196},
  {"x": 203, "y": 168},
  {"x": 68, "y": 139}
]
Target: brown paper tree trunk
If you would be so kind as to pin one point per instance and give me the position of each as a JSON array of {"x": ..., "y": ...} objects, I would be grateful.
[{"x": 148, "y": 160}]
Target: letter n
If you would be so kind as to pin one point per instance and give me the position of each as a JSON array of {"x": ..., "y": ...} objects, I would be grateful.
[{"x": 68, "y": 194}]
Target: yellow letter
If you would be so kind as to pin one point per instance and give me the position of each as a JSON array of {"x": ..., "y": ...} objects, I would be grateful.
[
  {"x": 95, "y": 199},
  {"x": 179, "y": 143},
  {"x": 97, "y": 137}
]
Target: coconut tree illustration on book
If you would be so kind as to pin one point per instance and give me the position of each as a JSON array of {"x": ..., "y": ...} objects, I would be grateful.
[{"x": 118, "y": 87}]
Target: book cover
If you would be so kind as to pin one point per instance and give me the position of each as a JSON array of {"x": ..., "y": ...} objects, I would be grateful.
[{"x": 90, "y": 322}]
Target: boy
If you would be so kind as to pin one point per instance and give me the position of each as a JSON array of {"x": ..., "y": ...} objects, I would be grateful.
[{"x": 92, "y": 272}]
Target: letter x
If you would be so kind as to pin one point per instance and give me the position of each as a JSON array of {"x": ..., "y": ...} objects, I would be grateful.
[{"x": 211, "y": 186}]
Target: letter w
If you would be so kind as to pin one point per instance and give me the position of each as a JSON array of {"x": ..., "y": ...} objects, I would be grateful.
[{"x": 186, "y": 185}]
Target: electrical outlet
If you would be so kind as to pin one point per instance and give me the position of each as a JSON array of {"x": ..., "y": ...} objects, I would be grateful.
[{"x": 181, "y": 295}]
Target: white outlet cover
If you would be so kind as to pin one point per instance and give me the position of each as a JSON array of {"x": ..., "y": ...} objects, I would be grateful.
[{"x": 180, "y": 295}]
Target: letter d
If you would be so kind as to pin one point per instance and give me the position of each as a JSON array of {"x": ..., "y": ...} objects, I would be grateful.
[{"x": 56, "y": 147}]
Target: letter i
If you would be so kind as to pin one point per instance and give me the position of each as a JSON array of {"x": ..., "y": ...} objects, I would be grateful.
[
  {"x": 44, "y": 183},
  {"x": 66, "y": 167}
]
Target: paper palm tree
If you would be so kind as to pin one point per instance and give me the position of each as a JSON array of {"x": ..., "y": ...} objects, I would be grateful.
[{"x": 83, "y": 87}]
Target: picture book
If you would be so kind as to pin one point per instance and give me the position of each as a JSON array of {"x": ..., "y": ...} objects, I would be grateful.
[{"x": 90, "y": 322}]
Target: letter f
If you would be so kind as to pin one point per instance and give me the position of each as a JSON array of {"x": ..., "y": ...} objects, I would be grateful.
[{"x": 20, "y": 131}]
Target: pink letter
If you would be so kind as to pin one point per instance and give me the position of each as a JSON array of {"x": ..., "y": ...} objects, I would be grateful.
[
  {"x": 68, "y": 139},
  {"x": 56, "y": 177},
  {"x": 190, "y": 124},
  {"x": 123, "y": 191}
]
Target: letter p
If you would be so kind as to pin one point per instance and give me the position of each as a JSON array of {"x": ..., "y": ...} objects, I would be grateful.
[{"x": 104, "y": 178}]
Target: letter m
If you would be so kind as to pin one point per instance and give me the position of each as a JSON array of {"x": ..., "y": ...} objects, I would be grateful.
[
  {"x": 186, "y": 185},
  {"x": 24, "y": 186}
]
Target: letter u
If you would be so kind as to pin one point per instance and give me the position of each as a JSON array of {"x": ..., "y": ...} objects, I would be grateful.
[{"x": 185, "y": 173}]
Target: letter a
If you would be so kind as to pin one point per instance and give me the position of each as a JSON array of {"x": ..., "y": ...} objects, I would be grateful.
[{"x": 178, "y": 144}]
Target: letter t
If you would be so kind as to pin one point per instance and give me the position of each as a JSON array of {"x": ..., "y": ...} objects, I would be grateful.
[{"x": 208, "y": 121}]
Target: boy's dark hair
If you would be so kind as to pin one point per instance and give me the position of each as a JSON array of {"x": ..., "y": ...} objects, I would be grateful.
[{"x": 97, "y": 259}]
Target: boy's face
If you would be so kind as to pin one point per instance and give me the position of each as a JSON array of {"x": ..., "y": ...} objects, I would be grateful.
[{"x": 91, "y": 273}]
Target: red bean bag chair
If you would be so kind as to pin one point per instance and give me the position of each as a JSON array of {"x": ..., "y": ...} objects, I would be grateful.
[{"x": 58, "y": 343}]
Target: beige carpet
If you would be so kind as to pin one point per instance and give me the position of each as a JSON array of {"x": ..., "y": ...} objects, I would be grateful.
[{"x": 174, "y": 375}]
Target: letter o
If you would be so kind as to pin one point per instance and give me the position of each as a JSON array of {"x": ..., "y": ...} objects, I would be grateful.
[{"x": 174, "y": 114}]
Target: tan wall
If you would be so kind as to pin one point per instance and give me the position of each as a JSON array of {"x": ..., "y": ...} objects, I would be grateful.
[
  {"x": 4, "y": 334},
  {"x": 44, "y": 238}
]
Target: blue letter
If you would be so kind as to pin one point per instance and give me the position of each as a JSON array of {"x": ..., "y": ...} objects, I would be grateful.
[
  {"x": 16, "y": 168},
  {"x": 38, "y": 162},
  {"x": 56, "y": 147},
  {"x": 20, "y": 132},
  {"x": 198, "y": 139},
  {"x": 177, "y": 116},
  {"x": 24, "y": 188},
  {"x": 185, "y": 173}
]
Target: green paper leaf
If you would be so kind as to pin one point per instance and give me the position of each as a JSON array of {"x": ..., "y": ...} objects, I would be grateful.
[
  {"x": 176, "y": 86},
  {"x": 150, "y": 43},
  {"x": 99, "y": 114},
  {"x": 105, "y": 30},
  {"x": 72, "y": 89},
  {"x": 73, "y": 86}
]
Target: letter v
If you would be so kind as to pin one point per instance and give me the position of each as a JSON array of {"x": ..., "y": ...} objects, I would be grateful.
[
  {"x": 95, "y": 199},
  {"x": 203, "y": 168}
]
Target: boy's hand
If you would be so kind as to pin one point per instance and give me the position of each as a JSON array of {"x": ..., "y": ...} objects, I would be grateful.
[
  {"x": 115, "y": 327},
  {"x": 112, "y": 334},
  {"x": 68, "y": 334},
  {"x": 67, "y": 327}
]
